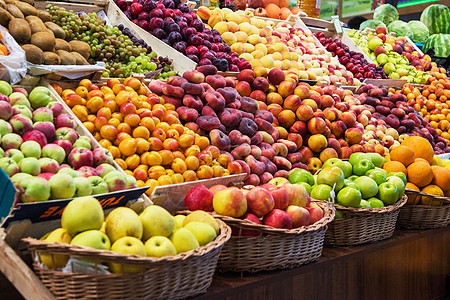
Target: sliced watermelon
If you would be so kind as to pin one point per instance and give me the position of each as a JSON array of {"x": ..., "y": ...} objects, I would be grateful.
[
  {"x": 440, "y": 43},
  {"x": 437, "y": 18}
]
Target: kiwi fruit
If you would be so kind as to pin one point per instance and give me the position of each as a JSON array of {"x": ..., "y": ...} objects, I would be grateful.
[
  {"x": 44, "y": 40},
  {"x": 57, "y": 31},
  {"x": 2, "y": 4},
  {"x": 51, "y": 58},
  {"x": 26, "y": 9},
  {"x": 44, "y": 16},
  {"x": 36, "y": 24},
  {"x": 66, "y": 58},
  {"x": 33, "y": 54},
  {"x": 61, "y": 44},
  {"x": 80, "y": 60},
  {"x": 5, "y": 17},
  {"x": 81, "y": 47},
  {"x": 14, "y": 11},
  {"x": 20, "y": 30}
]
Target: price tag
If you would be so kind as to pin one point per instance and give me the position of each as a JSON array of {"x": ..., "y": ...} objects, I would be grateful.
[{"x": 337, "y": 24}]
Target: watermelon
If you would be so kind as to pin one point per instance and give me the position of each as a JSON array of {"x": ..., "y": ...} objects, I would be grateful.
[
  {"x": 437, "y": 18},
  {"x": 440, "y": 43}
]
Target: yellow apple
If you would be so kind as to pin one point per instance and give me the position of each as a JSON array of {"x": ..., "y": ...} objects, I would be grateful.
[
  {"x": 159, "y": 246},
  {"x": 156, "y": 221},
  {"x": 183, "y": 240},
  {"x": 203, "y": 232},
  {"x": 127, "y": 245},
  {"x": 123, "y": 221},
  {"x": 202, "y": 216},
  {"x": 58, "y": 261},
  {"x": 81, "y": 214}
]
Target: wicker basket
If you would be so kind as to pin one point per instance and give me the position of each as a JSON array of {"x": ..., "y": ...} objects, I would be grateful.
[
  {"x": 417, "y": 216},
  {"x": 175, "y": 277},
  {"x": 363, "y": 225},
  {"x": 273, "y": 248}
]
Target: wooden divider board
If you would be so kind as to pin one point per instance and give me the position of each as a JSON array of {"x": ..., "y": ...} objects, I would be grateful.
[{"x": 180, "y": 62}]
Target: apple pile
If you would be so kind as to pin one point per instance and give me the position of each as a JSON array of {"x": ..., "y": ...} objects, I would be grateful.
[
  {"x": 433, "y": 105},
  {"x": 177, "y": 25},
  {"x": 277, "y": 203},
  {"x": 385, "y": 111},
  {"x": 353, "y": 61},
  {"x": 267, "y": 45},
  {"x": 143, "y": 135},
  {"x": 359, "y": 182},
  {"x": 153, "y": 233},
  {"x": 44, "y": 155}
]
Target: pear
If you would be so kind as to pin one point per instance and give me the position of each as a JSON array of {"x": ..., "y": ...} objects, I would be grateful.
[
  {"x": 123, "y": 221},
  {"x": 81, "y": 214},
  {"x": 184, "y": 240},
  {"x": 204, "y": 233},
  {"x": 57, "y": 261},
  {"x": 202, "y": 216}
]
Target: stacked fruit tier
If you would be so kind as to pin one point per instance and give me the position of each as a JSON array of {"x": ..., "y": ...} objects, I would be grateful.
[
  {"x": 144, "y": 137},
  {"x": 45, "y": 152}
]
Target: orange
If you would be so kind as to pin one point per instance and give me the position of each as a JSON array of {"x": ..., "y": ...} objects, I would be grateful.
[
  {"x": 420, "y": 174},
  {"x": 441, "y": 177},
  {"x": 413, "y": 199},
  {"x": 432, "y": 190},
  {"x": 403, "y": 154},
  {"x": 285, "y": 13},
  {"x": 395, "y": 166},
  {"x": 421, "y": 147},
  {"x": 273, "y": 11}
]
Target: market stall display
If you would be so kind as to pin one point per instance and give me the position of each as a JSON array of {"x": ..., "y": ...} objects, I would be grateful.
[{"x": 292, "y": 131}]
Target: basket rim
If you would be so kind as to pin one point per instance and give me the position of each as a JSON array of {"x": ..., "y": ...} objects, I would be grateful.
[
  {"x": 378, "y": 210},
  {"x": 329, "y": 213},
  {"x": 110, "y": 256},
  {"x": 445, "y": 200}
]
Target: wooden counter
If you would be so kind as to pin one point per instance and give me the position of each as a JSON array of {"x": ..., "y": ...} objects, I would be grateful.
[
  {"x": 413, "y": 264},
  {"x": 410, "y": 265}
]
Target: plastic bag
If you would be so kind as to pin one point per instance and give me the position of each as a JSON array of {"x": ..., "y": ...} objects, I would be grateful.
[
  {"x": 69, "y": 71},
  {"x": 13, "y": 66}
]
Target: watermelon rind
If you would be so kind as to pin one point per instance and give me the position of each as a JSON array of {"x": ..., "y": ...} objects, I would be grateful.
[
  {"x": 437, "y": 18},
  {"x": 440, "y": 44}
]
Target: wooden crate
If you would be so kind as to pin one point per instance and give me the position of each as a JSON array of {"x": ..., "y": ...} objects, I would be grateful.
[{"x": 180, "y": 62}]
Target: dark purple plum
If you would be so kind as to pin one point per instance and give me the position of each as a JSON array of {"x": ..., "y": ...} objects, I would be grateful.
[
  {"x": 193, "y": 58},
  {"x": 156, "y": 13},
  {"x": 179, "y": 46},
  {"x": 168, "y": 3},
  {"x": 156, "y": 23},
  {"x": 159, "y": 33},
  {"x": 174, "y": 37},
  {"x": 143, "y": 24},
  {"x": 198, "y": 25},
  {"x": 204, "y": 61},
  {"x": 173, "y": 28},
  {"x": 143, "y": 15},
  {"x": 195, "y": 40}
]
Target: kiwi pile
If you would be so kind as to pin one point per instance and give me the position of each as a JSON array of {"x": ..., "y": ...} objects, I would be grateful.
[{"x": 42, "y": 40}]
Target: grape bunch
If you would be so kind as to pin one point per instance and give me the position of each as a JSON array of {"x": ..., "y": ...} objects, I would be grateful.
[{"x": 122, "y": 53}]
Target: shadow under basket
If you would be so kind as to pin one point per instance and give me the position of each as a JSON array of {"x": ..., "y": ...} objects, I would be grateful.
[
  {"x": 171, "y": 277},
  {"x": 273, "y": 248},
  {"x": 419, "y": 216},
  {"x": 363, "y": 225}
]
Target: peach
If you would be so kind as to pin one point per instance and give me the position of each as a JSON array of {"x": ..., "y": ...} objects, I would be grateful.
[
  {"x": 193, "y": 150},
  {"x": 207, "y": 70},
  {"x": 202, "y": 142},
  {"x": 155, "y": 144},
  {"x": 327, "y": 154},
  {"x": 194, "y": 76},
  {"x": 248, "y": 127},
  {"x": 314, "y": 164},
  {"x": 317, "y": 142},
  {"x": 229, "y": 94},
  {"x": 282, "y": 163},
  {"x": 265, "y": 177},
  {"x": 266, "y": 138},
  {"x": 260, "y": 83},
  {"x": 190, "y": 175},
  {"x": 208, "y": 123},
  {"x": 304, "y": 112},
  {"x": 331, "y": 114},
  {"x": 177, "y": 102},
  {"x": 258, "y": 95},
  {"x": 187, "y": 114},
  {"x": 299, "y": 127},
  {"x": 256, "y": 166},
  {"x": 357, "y": 148},
  {"x": 286, "y": 88},
  {"x": 245, "y": 168},
  {"x": 174, "y": 91},
  {"x": 302, "y": 91},
  {"x": 248, "y": 105},
  {"x": 353, "y": 136},
  {"x": 280, "y": 149},
  {"x": 317, "y": 125},
  {"x": 265, "y": 115},
  {"x": 311, "y": 103},
  {"x": 176, "y": 81},
  {"x": 215, "y": 100},
  {"x": 294, "y": 157},
  {"x": 234, "y": 167},
  {"x": 274, "y": 98},
  {"x": 338, "y": 128},
  {"x": 276, "y": 76},
  {"x": 246, "y": 75},
  {"x": 348, "y": 118},
  {"x": 286, "y": 118},
  {"x": 255, "y": 151},
  {"x": 275, "y": 109},
  {"x": 193, "y": 101},
  {"x": 244, "y": 88},
  {"x": 267, "y": 150},
  {"x": 327, "y": 101},
  {"x": 216, "y": 81},
  {"x": 241, "y": 151},
  {"x": 295, "y": 138},
  {"x": 282, "y": 132},
  {"x": 291, "y": 146},
  {"x": 292, "y": 102}
]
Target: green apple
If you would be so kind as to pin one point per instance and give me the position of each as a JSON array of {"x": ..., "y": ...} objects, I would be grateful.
[
  {"x": 84, "y": 142},
  {"x": 69, "y": 171},
  {"x": 375, "y": 202},
  {"x": 399, "y": 183},
  {"x": 376, "y": 175},
  {"x": 377, "y": 159},
  {"x": 31, "y": 149},
  {"x": 203, "y": 232},
  {"x": 355, "y": 157},
  {"x": 349, "y": 197},
  {"x": 62, "y": 186},
  {"x": 34, "y": 189},
  {"x": 30, "y": 165},
  {"x": 353, "y": 177},
  {"x": 156, "y": 221},
  {"x": 306, "y": 186},
  {"x": 333, "y": 176},
  {"x": 159, "y": 246},
  {"x": 400, "y": 175},
  {"x": 40, "y": 96},
  {"x": 81, "y": 214},
  {"x": 82, "y": 187},
  {"x": 184, "y": 240},
  {"x": 92, "y": 238},
  {"x": 381, "y": 170},
  {"x": 98, "y": 185},
  {"x": 14, "y": 154},
  {"x": 364, "y": 203},
  {"x": 202, "y": 216},
  {"x": 367, "y": 186},
  {"x": 362, "y": 166},
  {"x": 104, "y": 169},
  {"x": 345, "y": 166},
  {"x": 301, "y": 175},
  {"x": 388, "y": 193},
  {"x": 123, "y": 221},
  {"x": 352, "y": 184},
  {"x": 127, "y": 245},
  {"x": 321, "y": 192},
  {"x": 57, "y": 261},
  {"x": 178, "y": 221},
  {"x": 17, "y": 178}
]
